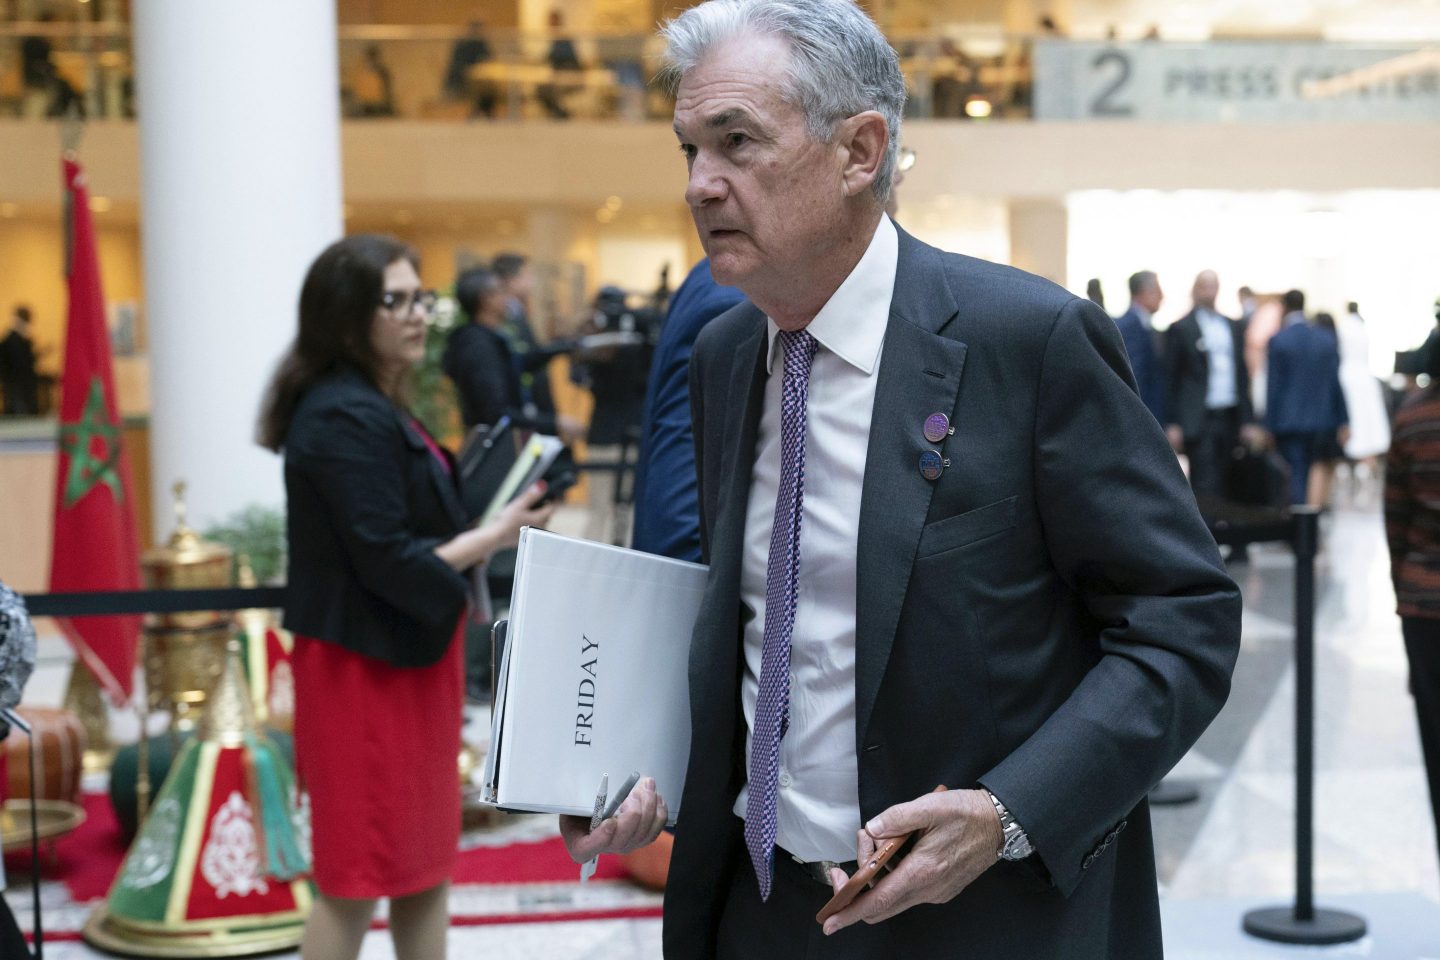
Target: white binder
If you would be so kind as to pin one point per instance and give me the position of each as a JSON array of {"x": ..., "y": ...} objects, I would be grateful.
[{"x": 594, "y": 675}]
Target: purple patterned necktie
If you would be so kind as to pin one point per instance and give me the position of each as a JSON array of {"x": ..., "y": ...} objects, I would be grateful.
[{"x": 782, "y": 573}]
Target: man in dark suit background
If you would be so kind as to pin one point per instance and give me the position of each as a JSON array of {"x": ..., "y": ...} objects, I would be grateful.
[
  {"x": 1209, "y": 388},
  {"x": 947, "y": 545},
  {"x": 1304, "y": 404},
  {"x": 1139, "y": 337},
  {"x": 19, "y": 383},
  {"x": 667, "y": 511}
]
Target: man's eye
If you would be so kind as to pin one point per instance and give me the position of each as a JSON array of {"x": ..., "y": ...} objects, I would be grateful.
[
  {"x": 688, "y": 150},
  {"x": 736, "y": 140}
]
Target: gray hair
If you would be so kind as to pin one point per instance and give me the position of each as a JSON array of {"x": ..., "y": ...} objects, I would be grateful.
[{"x": 840, "y": 62}]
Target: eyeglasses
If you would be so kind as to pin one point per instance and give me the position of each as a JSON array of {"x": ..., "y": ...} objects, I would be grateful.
[
  {"x": 401, "y": 302},
  {"x": 906, "y": 160}
]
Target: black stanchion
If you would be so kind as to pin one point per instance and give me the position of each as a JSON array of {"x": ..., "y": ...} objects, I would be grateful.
[{"x": 1303, "y": 923}]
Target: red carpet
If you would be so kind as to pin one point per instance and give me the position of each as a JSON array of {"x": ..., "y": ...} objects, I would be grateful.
[{"x": 88, "y": 859}]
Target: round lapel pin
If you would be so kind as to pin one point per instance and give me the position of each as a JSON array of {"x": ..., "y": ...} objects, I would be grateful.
[
  {"x": 932, "y": 465},
  {"x": 937, "y": 427}
]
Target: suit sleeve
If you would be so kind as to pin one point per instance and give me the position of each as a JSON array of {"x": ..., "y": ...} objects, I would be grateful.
[
  {"x": 352, "y": 463},
  {"x": 1124, "y": 534}
]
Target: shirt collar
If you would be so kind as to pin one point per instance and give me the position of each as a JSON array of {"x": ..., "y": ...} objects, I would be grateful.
[
  {"x": 1142, "y": 313},
  {"x": 852, "y": 323}
]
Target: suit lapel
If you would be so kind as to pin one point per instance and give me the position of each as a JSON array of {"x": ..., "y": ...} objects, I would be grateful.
[
  {"x": 919, "y": 375},
  {"x": 444, "y": 482},
  {"x": 746, "y": 381}
]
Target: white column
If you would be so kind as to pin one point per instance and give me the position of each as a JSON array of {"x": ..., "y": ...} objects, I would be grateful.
[{"x": 240, "y": 180}]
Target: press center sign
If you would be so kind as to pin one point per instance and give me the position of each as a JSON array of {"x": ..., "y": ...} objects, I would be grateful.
[{"x": 1234, "y": 81}]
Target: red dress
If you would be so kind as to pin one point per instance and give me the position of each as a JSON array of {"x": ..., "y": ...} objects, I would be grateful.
[{"x": 378, "y": 749}]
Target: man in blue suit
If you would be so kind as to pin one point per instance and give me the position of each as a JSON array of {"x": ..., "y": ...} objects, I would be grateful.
[
  {"x": 667, "y": 514},
  {"x": 1139, "y": 337},
  {"x": 1305, "y": 408}
]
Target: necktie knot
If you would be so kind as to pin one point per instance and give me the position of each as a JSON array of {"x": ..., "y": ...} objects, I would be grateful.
[{"x": 800, "y": 347}]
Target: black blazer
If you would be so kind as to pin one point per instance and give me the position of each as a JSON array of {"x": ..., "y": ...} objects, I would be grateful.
[
  {"x": 1050, "y": 618},
  {"x": 1187, "y": 374},
  {"x": 367, "y": 503},
  {"x": 479, "y": 362}
]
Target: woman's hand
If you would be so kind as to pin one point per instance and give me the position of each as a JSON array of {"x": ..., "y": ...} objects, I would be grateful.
[
  {"x": 523, "y": 511},
  {"x": 476, "y": 546}
]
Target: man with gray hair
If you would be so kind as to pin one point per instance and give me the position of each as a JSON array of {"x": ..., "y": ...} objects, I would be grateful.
[{"x": 948, "y": 545}]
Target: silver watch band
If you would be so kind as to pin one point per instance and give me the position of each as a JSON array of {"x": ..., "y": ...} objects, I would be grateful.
[{"x": 1016, "y": 844}]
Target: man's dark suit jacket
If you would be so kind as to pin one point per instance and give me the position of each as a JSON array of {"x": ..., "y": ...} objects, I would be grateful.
[
  {"x": 667, "y": 517},
  {"x": 1050, "y": 618},
  {"x": 1187, "y": 374},
  {"x": 367, "y": 503},
  {"x": 1139, "y": 340},
  {"x": 478, "y": 361},
  {"x": 1302, "y": 385}
]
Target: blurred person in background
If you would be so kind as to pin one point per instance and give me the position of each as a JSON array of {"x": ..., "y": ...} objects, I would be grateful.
[
  {"x": 1095, "y": 293},
  {"x": 379, "y": 547},
  {"x": 532, "y": 361},
  {"x": 1304, "y": 408},
  {"x": 562, "y": 58},
  {"x": 19, "y": 380},
  {"x": 667, "y": 507},
  {"x": 1139, "y": 336},
  {"x": 1248, "y": 303},
  {"x": 477, "y": 359},
  {"x": 470, "y": 51},
  {"x": 1208, "y": 405},
  {"x": 372, "y": 88},
  {"x": 1364, "y": 395},
  {"x": 1412, "y": 528},
  {"x": 1262, "y": 323},
  {"x": 1328, "y": 449}
]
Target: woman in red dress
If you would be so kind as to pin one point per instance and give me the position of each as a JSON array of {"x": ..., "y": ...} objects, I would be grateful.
[{"x": 380, "y": 550}]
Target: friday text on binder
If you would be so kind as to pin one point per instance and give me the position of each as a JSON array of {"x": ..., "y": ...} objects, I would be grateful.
[{"x": 585, "y": 693}]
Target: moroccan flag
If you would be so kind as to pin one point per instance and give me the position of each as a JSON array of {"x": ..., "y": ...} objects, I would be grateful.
[{"x": 95, "y": 546}]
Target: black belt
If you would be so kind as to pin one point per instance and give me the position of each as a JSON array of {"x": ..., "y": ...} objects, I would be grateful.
[{"x": 817, "y": 870}]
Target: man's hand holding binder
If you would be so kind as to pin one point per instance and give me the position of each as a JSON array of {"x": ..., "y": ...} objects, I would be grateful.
[{"x": 637, "y": 823}]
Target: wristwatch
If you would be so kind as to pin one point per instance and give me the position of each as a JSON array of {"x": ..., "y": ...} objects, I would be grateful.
[{"x": 1016, "y": 845}]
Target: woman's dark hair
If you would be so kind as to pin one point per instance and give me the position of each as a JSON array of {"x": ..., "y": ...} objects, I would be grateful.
[
  {"x": 342, "y": 291},
  {"x": 1325, "y": 320},
  {"x": 471, "y": 288}
]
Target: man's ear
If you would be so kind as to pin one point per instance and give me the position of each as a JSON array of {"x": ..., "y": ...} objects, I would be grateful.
[{"x": 862, "y": 140}]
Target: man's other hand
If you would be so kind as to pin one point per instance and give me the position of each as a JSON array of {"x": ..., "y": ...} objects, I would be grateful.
[
  {"x": 958, "y": 837},
  {"x": 638, "y": 822}
]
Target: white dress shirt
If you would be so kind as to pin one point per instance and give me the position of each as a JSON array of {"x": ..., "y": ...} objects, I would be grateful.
[
  {"x": 818, "y": 797},
  {"x": 1220, "y": 348}
]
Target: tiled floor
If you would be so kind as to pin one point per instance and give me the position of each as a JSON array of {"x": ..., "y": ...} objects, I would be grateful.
[{"x": 1375, "y": 847}]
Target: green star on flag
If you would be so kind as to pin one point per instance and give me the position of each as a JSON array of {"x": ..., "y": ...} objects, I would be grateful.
[{"x": 93, "y": 444}]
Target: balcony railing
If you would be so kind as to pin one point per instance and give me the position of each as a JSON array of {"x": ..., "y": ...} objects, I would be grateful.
[{"x": 449, "y": 74}]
